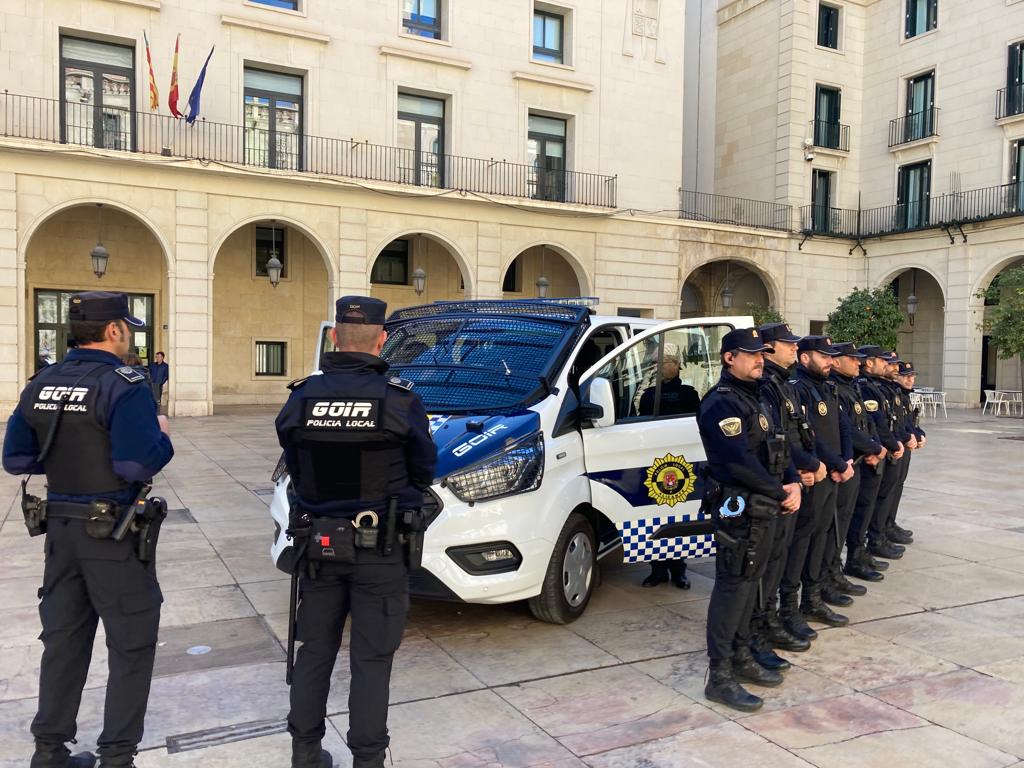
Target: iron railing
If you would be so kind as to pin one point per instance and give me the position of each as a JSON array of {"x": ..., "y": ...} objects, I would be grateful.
[
  {"x": 826, "y": 220},
  {"x": 262, "y": 146},
  {"x": 721, "y": 209},
  {"x": 1009, "y": 101},
  {"x": 914, "y": 127},
  {"x": 830, "y": 135}
]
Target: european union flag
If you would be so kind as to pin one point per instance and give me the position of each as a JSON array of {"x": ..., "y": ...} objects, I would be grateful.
[{"x": 197, "y": 89}]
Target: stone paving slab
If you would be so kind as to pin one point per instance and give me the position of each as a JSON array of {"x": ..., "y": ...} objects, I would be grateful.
[{"x": 929, "y": 673}]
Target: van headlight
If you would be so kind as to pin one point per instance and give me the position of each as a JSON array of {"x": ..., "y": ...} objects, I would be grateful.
[{"x": 517, "y": 469}]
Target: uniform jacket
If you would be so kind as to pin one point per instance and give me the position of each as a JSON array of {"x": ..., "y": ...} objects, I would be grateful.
[
  {"x": 820, "y": 401},
  {"x": 778, "y": 395},
  {"x": 864, "y": 433}
]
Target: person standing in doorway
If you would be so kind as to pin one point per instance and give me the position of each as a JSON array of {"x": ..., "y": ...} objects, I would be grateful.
[{"x": 159, "y": 373}]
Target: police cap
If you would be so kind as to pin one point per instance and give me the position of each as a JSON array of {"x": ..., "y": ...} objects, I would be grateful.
[
  {"x": 891, "y": 357},
  {"x": 821, "y": 344},
  {"x": 361, "y": 310},
  {"x": 777, "y": 332},
  {"x": 97, "y": 306},
  {"x": 906, "y": 369},
  {"x": 871, "y": 350},
  {"x": 744, "y": 340},
  {"x": 847, "y": 349}
]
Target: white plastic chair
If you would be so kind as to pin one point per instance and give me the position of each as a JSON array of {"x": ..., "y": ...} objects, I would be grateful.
[{"x": 990, "y": 399}]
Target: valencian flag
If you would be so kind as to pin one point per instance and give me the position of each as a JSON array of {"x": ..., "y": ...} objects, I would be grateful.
[
  {"x": 172, "y": 97},
  {"x": 197, "y": 89},
  {"x": 154, "y": 94}
]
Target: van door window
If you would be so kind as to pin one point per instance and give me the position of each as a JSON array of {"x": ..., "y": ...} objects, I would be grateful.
[
  {"x": 665, "y": 375},
  {"x": 597, "y": 345}
]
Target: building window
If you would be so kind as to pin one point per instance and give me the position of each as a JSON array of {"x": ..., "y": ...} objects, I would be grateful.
[
  {"x": 288, "y": 5},
  {"x": 545, "y": 153},
  {"x": 913, "y": 194},
  {"x": 821, "y": 200},
  {"x": 98, "y": 108},
  {"x": 828, "y": 26},
  {"x": 392, "y": 265},
  {"x": 1017, "y": 175},
  {"x": 421, "y": 137},
  {"x": 273, "y": 119},
  {"x": 271, "y": 358},
  {"x": 922, "y": 16},
  {"x": 268, "y": 240},
  {"x": 513, "y": 282},
  {"x": 1015, "y": 80},
  {"x": 920, "y": 122},
  {"x": 548, "y": 36},
  {"x": 826, "y": 117},
  {"x": 422, "y": 18}
]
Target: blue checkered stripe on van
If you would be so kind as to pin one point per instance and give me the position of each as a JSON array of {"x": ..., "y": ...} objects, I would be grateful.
[{"x": 639, "y": 547}]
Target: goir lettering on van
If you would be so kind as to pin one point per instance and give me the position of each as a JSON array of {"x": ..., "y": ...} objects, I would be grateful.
[{"x": 467, "y": 446}]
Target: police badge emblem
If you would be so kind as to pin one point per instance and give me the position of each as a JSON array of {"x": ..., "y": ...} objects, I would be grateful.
[
  {"x": 670, "y": 480},
  {"x": 823, "y": 409},
  {"x": 730, "y": 427},
  {"x": 763, "y": 421},
  {"x": 857, "y": 408}
]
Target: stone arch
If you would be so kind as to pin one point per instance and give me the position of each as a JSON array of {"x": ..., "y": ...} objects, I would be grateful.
[
  {"x": 771, "y": 287},
  {"x": 583, "y": 279},
  {"x": 987, "y": 276},
  {"x": 448, "y": 243},
  {"x": 895, "y": 272}
]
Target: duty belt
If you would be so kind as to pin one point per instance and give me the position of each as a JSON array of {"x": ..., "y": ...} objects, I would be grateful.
[{"x": 69, "y": 509}]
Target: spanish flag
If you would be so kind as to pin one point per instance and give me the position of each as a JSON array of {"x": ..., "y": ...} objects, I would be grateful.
[
  {"x": 172, "y": 98},
  {"x": 154, "y": 94}
]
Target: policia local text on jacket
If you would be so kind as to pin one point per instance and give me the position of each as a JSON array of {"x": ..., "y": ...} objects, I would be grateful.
[
  {"x": 107, "y": 446},
  {"x": 358, "y": 448}
]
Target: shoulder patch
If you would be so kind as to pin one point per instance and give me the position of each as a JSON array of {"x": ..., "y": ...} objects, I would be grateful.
[
  {"x": 731, "y": 427},
  {"x": 292, "y": 385},
  {"x": 129, "y": 374},
  {"x": 871, "y": 405},
  {"x": 401, "y": 383}
]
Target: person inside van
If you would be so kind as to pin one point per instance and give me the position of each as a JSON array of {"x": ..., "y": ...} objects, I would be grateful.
[{"x": 677, "y": 399}]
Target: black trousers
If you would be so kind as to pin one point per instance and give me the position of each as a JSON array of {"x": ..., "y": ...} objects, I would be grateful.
[
  {"x": 374, "y": 591},
  {"x": 894, "y": 504},
  {"x": 665, "y": 568},
  {"x": 846, "y": 502},
  {"x": 823, "y": 499},
  {"x": 86, "y": 580},
  {"x": 799, "y": 543},
  {"x": 785, "y": 525},
  {"x": 867, "y": 502},
  {"x": 887, "y": 495}
]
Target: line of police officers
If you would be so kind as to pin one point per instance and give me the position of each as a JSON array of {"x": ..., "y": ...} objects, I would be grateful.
[{"x": 799, "y": 463}]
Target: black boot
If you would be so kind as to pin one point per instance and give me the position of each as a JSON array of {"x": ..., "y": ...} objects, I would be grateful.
[
  {"x": 878, "y": 565},
  {"x": 49, "y": 756},
  {"x": 859, "y": 565},
  {"x": 377, "y": 761},
  {"x": 309, "y": 754},
  {"x": 813, "y": 607},
  {"x": 885, "y": 548},
  {"x": 746, "y": 670},
  {"x": 765, "y": 656},
  {"x": 898, "y": 535},
  {"x": 792, "y": 621},
  {"x": 833, "y": 596},
  {"x": 776, "y": 635},
  {"x": 901, "y": 530},
  {"x": 723, "y": 689},
  {"x": 847, "y": 587}
]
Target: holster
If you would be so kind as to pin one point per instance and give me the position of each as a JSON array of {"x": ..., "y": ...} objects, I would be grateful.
[
  {"x": 414, "y": 525},
  {"x": 148, "y": 526},
  {"x": 34, "y": 510}
]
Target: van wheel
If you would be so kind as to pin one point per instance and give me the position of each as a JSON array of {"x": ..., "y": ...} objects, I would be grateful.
[{"x": 571, "y": 575}]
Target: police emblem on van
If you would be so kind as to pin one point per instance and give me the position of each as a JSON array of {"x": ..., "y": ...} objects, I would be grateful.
[
  {"x": 670, "y": 480},
  {"x": 342, "y": 414}
]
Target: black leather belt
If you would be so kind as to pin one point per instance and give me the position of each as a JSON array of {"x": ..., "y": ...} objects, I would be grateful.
[{"x": 68, "y": 509}]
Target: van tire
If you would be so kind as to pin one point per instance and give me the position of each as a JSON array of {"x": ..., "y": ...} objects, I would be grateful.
[{"x": 573, "y": 568}]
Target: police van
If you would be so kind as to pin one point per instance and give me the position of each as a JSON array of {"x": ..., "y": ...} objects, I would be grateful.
[{"x": 561, "y": 436}]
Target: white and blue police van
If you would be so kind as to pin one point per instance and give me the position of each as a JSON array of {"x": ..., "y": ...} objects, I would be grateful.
[{"x": 560, "y": 439}]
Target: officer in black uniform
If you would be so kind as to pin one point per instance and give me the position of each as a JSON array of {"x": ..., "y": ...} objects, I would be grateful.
[
  {"x": 89, "y": 423},
  {"x": 783, "y": 404},
  {"x": 750, "y": 482},
  {"x": 879, "y": 542},
  {"x": 905, "y": 377},
  {"x": 820, "y": 403},
  {"x": 867, "y": 450},
  {"x": 870, "y": 386},
  {"x": 358, "y": 449}
]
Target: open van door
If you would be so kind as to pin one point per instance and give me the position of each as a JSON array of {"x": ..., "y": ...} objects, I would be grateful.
[{"x": 642, "y": 449}]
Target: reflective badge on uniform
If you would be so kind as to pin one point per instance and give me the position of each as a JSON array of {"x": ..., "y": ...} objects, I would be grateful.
[
  {"x": 789, "y": 406},
  {"x": 857, "y": 408},
  {"x": 129, "y": 374},
  {"x": 670, "y": 479},
  {"x": 823, "y": 409},
  {"x": 731, "y": 427},
  {"x": 871, "y": 405},
  {"x": 355, "y": 414},
  {"x": 763, "y": 421}
]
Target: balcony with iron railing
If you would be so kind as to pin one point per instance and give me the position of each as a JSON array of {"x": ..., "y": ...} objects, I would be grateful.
[
  {"x": 1009, "y": 101},
  {"x": 737, "y": 211},
  {"x": 275, "y": 147},
  {"x": 914, "y": 127},
  {"x": 827, "y": 134}
]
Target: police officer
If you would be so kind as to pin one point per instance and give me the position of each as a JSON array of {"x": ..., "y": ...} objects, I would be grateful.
[
  {"x": 870, "y": 386},
  {"x": 778, "y": 397},
  {"x": 905, "y": 377},
  {"x": 89, "y": 423},
  {"x": 867, "y": 451},
  {"x": 357, "y": 445},
  {"x": 820, "y": 403},
  {"x": 879, "y": 542},
  {"x": 750, "y": 482}
]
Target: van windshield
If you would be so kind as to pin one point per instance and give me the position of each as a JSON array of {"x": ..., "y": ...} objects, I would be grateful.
[{"x": 473, "y": 364}]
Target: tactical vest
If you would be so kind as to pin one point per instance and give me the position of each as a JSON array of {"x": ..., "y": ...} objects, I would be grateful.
[
  {"x": 347, "y": 449},
  {"x": 822, "y": 414},
  {"x": 853, "y": 406},
  {"x": 79, "y": 460},
  {"x": 761, "y": 433}
]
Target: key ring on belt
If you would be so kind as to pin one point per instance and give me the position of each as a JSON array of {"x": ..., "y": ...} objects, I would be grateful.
[{"x": 364, "y": 515}]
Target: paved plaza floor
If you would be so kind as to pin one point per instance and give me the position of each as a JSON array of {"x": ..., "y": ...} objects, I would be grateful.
[{"x": 930, "y": 671}]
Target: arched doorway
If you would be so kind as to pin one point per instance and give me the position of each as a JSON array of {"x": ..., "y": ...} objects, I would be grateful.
[
  {"x": 417, "y": 269},
  {"x": 922, "y": 335},
  {"x": 58, "y": 263},
  {"x": 998, "y": 373},
  {"x": 723, "y": 288},
  {"x": 265, "y": 336},
  {"x": 540, "y": 270}
]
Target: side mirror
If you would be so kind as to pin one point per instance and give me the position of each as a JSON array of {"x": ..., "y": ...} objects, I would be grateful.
[{"x": 599, "y": 407}]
